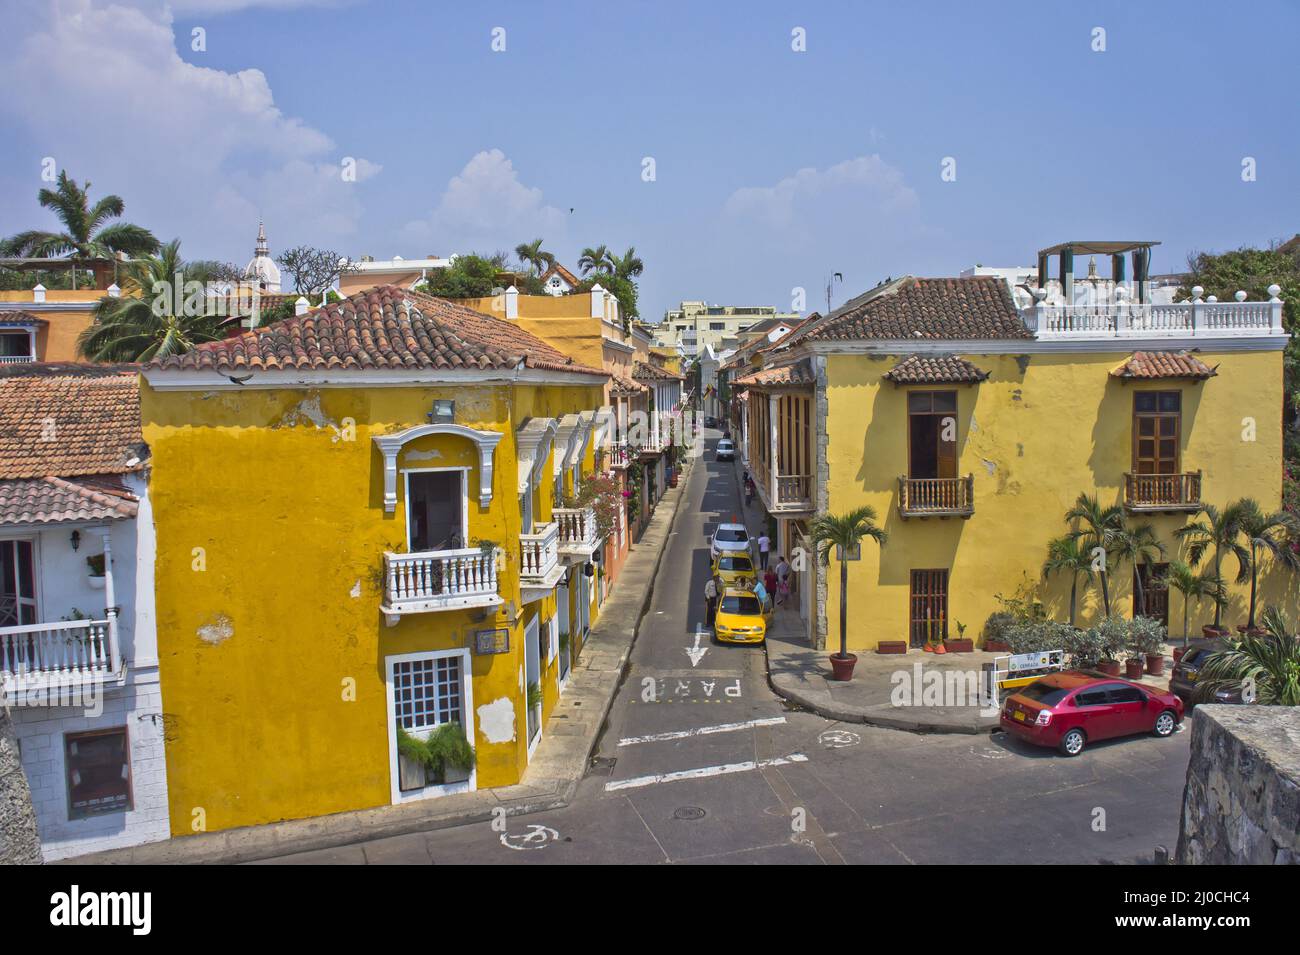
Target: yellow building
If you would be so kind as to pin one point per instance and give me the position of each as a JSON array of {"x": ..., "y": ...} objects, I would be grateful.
[
  {"x": 971, "y": 426},
  {"x": 44, "y": 325},
  {"x": 358, "y": 530}
]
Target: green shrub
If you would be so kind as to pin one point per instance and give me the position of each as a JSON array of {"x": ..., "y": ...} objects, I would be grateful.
[
  {"x": 1145, "y": 635},
  {"x": 1035, "y": 636},
  {"x": 1085, "y": 648},
  {"x": 995, "y": 627},
  {"x": 1111, "y": 637}
]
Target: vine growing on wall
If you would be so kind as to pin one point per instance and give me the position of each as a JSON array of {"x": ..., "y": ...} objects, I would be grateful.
[
  {"x": 635, "y": 477},
  {"x": 601, "y": 493}
]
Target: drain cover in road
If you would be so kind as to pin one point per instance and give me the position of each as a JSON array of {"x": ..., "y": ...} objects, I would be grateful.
[
  {"x": 602, "y": 766},
  {"x": 689, "y": 812}
]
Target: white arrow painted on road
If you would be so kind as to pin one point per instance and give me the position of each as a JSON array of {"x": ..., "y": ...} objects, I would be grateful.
[{"x": 696, "y": 653}]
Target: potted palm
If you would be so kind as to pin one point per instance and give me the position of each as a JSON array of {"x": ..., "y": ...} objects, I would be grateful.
[
  {"x": 962, "y": 644},
  {"x": 844, "y": 533},
  {"x": 1066, "y": 556},
  {"x": 1194, "y": 587},
  {"x": 96, "y": 577},
  {"x": 1217, "y": 532},
  {"x": 1263, "y": 665},
  {"x": 1266, "y": 534}
]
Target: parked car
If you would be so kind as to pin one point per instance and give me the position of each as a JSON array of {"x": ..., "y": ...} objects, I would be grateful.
[
  {"x": 741, "y": 617},
  {"x": 731, "y": 538},
  {"x": 734, "y": 570},
  {"x": 1185, "y": 676},
  {"x": 725, "y": 451},
  {"x": 1069, "y": 710}
]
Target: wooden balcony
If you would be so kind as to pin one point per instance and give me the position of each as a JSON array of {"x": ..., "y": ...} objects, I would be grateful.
[
  {"x": 579, "y": 537},
  {"x": 67, "y": 655},
  {"x": 1155, "y": 493},
  {"x": 936, "y": 497},
  {"x": 436, "y": 580}
]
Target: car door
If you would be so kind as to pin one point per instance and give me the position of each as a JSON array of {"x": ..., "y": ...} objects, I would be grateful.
[
  {"x": 1128, "y": 710},
  {"x": 1092, "y": 706}
]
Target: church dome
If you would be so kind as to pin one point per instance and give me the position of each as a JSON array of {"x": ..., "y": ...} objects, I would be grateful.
[{"x": 262, "y": 269}]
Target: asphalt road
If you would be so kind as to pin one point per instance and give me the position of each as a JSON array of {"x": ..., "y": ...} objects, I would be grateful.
[{"x": 758, "y": 783}]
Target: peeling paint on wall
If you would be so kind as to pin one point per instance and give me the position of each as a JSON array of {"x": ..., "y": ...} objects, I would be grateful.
[
  {"x": 306, "y": 411},
  {"x": 496, "y": 721},
  {"x": 355, "y": 592},
  {"x": 430, "y": 455},
  {"x": 221, "y": 629},
  {"x": 990, "y": 466}
]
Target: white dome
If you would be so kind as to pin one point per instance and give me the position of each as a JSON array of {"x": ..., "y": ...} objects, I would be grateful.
[{"x": 262, "y": 269}]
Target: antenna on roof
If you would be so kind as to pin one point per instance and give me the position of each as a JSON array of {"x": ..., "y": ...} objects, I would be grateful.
[{"x": 830, "y": 284}]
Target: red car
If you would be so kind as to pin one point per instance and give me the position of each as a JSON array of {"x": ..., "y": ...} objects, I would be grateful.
[{"x": 1069, "y": 710}]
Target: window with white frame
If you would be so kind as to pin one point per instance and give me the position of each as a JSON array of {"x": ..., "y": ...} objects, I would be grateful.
[{"x": 427, "y": 692}]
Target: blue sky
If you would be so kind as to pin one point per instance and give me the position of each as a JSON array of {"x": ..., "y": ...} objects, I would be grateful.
[{"x": 773, "y": 167}]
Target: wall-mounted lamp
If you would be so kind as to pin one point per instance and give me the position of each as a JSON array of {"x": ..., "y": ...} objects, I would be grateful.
[
  {"x": 76, "y": 540},
  {"x": 444, "y": 411}
]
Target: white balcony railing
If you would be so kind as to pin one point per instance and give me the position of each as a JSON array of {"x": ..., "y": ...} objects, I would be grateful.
[
  {"x": 16, "y": 359},
  {"x": 435, "y": 580},
  {"x": 68, "y": 653},
  {"x": 578, "y": 534},
  {"x": 1196, "y": 319},
  {"x": 539, "y": 552}
]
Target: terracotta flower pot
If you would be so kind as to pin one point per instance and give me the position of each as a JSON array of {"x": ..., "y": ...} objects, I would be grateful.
[
  {"x": 842, "y": 667},
  {"x": 1155, "y": 664},
  {"x": 1133, "y": 669},
  {"x": 1178, "y": 653},
  {"x": 1210, "y": 632},
  {"x": 997, "y": 646},
  {"x": 959, "y": 646},
  {"x": 1109, "y": 667}
]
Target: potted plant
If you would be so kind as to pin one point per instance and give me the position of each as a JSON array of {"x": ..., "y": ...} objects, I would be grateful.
[
  {"x": 1261, "y": 669},
  {"x": 1195, "y": 587},
  {"x": 1148, "y": 639},
  {"x": 962, "y": 644},
  {"x": 445, "y": 756},
  {"x": 96, "y": 564},
  {"x": 994, "y": 629},
  {"x": 1112, "y": 635},
  {"x": 845, "y": 532},
  {"x": 1218, "y": 532}
]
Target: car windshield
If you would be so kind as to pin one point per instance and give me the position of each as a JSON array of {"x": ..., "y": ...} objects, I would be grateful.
[
  {"x": 1044, "y": 693},
  {"x": 734, "y": 563},
  {"x": 1195, "y": 656},
  {"x": 724, "y": 445},
  {"x": 731, "y": 535},
  {"x": 740, "y": 604}
]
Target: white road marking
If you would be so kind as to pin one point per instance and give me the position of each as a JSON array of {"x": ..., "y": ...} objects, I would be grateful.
[
  {"x": 701, "y": 731},
  {"x": 704, "y": 772},
  {"x": 696, "y": 653}
]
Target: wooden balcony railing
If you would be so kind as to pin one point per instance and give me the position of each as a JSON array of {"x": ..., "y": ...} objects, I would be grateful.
[
  {"x": 63, "y": 654},
  {"x": 539, "y": 552},
  {"x": 578, "y": 534},
  {"x": 440, "y": 580},
  {"x": 1162, "y": 492},
  {"x": 936, "y": 497}
]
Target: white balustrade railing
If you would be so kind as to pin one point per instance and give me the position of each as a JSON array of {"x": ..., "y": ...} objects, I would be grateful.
[
  {"x": 451, "y": 577},
  {"x": 16, "y": 359},
  {"x": 539, "y": 552},
  {"x": 69, "y": 650},
  {"x": 1133, "y": 320},
  {"x": 577, "y": 528}
]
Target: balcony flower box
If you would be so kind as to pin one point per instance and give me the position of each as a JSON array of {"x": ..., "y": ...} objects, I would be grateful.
[{"x": 960, "y": 645}]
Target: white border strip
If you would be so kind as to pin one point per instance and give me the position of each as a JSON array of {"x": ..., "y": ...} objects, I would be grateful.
[
  {"x": 701, "y": 731},
  {"x": 704, "y": 772}
]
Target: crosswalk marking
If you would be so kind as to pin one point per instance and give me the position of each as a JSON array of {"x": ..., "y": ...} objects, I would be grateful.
[
  {"x": 701, "y": 731},
  {"x": 703, "y": 772}
]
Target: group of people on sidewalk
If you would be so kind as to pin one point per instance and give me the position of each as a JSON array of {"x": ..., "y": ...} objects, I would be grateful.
[{"x": 772, "y": 588}]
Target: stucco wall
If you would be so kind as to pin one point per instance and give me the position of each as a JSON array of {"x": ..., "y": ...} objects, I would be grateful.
[{"x": 1039, "y": 431}]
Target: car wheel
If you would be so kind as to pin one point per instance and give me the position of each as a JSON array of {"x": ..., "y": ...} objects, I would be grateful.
[
  {"x": 1165, "y": 724},
  {"x": 1072, "y": 743}
]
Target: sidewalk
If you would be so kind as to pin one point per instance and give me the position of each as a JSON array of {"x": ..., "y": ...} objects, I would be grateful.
[{"x": 552, "y": 777}]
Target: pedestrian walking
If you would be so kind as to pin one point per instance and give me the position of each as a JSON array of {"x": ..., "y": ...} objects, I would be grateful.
[
  {"x": 749, "y": 490},
  {"x": 710, "y": 602},
  {"x": 764, "y": 548},
  {"x": 769, "y": 580},
  {"x": 782, "y": 580},
  {"x": 761, "y": 593}
]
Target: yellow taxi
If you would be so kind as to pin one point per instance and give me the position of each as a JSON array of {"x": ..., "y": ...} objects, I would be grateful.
[
  {"x": 734, "y": 570},
  {"x": 741, "y": 617}
]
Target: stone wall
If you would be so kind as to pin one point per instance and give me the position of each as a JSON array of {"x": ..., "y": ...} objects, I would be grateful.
[{"x": 1242, "y": 800}]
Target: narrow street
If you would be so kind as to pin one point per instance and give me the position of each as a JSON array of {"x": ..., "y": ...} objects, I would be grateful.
[{"x": 701, "y": 762}]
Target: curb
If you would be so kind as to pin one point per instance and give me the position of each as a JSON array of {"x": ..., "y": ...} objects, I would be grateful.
[
  {"x": 315, "y": 833},
  {"x": 857, "y": 714}
]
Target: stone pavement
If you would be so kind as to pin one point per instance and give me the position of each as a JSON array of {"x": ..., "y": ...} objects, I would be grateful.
[{"x": 557, "y": 766}]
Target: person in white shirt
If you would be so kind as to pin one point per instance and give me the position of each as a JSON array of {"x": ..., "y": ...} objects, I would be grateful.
[
  {"x": 764, "y": 547},
  {"x": 710, "y": 602}
]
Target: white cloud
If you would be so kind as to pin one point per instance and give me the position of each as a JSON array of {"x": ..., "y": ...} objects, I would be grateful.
[
  {"x": 194, "y": 151},
  {"x": 485, "y": 208},
  {"x": 866, "y": 186}
]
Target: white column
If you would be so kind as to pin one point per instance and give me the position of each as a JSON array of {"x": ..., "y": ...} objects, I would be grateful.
[
  {"x": 1275, "y": 309},
  {"x": 512, "y": 302},
  {"x": 774, "y": 425},
  {"x": 597, "y": 301},
  {"x": 110, "y": 602}
]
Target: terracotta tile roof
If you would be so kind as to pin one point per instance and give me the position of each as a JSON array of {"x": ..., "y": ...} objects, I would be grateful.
[
  {"x": 1164, "y": 364},
  {"x": 978, "y": 308},
  {"x": 644, "y": 371},
  {"x": 47, "y": 500},
  {"x": 19, "y": 317},
  {"x": 562, "y": 272},
  {"x": 935, "y": 370},
  {"x": 56, "y": 423},
  {"x": 375, "y": 330},
  {"x": 798, "y": 374},
  {"x": 626, "y": 387}
]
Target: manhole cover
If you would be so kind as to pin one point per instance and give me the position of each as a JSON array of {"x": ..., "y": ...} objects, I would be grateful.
[
  {"x": 689, "y": 812},
  {"x": 601, "y": 766}
]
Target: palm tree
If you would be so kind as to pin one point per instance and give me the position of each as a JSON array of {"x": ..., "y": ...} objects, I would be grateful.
[
  {"x": 1065, "y": 556},
  {"x": 143, "y": 323},
  {"x": 533, "y": 256},
  {"x": 1095, "y": 527},
  {"x": 1137, "y": 545},
  {"x": 845, "y": 532},
  {"x": 20, "y": 842},
  {"x": 1271, "y": 534},
  {"x": 598, "y": 259},
  {"x": 84, "y": 235},
  {"x": 1217, "y": 531},
  {"x": 628, "y": 267},
  {"x": 1268, "y": 664},
  {"x": 1207, "y": 585}
]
